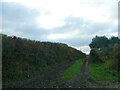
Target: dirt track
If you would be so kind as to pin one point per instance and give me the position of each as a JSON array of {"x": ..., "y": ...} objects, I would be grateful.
[{"x": 52, "y": 79}]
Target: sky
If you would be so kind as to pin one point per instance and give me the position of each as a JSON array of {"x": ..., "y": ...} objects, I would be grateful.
[{"x": 74, "y": 22}]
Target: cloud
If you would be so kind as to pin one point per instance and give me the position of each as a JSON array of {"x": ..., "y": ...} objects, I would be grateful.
[
  {"x": 20, "y": 20},
  {"x": 85, "y": 49},
  {"x": 74, "y": 22}
]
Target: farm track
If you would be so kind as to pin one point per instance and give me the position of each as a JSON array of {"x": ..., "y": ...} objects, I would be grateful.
[
  {"x": 83, "y": 80},
  {"x": 51, "y": 79}
]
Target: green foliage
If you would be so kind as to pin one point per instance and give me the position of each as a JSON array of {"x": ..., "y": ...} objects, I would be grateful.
[
  {"x": 99, "y": 42},
  {"x": 94, "y": 57},
  {"x": 102, "y": 72},
  {"x": 107, "y": 50},
  {"x": 72, "y": 71},
  {"x": 114, "y": 40},
  {"x": 115, "y": 57},
  {"x": 23, "y": 57}
]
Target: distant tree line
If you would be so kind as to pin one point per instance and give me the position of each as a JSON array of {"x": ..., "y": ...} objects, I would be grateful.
[{"x": 22, "y": 57}]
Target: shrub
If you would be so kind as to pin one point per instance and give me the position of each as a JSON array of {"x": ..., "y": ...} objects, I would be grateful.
[{"x": 94, "y": 57}]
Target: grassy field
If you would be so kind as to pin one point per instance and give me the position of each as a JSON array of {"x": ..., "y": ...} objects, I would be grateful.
[
  {"x": 72, "y": 71},
  {"x": 102, "y": 72}
]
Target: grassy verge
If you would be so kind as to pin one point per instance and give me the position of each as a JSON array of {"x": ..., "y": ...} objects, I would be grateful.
[
  {"x": 102, "y": 72},
  {"x": 72, "y": 71}
]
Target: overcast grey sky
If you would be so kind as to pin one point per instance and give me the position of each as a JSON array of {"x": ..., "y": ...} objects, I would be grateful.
[{"x": 74, "y": 22}]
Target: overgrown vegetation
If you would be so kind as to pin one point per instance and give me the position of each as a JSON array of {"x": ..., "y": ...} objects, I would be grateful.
[
  {"x": 23, "y": 58},
  {"x": 106, "y": 51},
  {"x": 94, "y": 56},
  {"x": 102, "y": 72},
  {"x": 72, "y": 71}
]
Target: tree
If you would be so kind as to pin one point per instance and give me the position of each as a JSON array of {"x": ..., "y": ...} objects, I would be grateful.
[
  {"x": 114, "y": 40},
  {"x": 99, "y": 42},
  {"x": 107, "y": 50},
  {"x": 94, "y": 57}
]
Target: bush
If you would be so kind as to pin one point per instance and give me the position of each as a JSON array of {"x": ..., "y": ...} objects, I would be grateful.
[
  {"x": 26, "y": 56},
  {"x": 115, "y": 57},
  {"x": 94, "y": 57}
]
